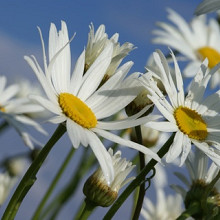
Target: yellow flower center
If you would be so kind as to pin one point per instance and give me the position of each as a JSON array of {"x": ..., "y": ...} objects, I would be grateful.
[
  {"x": 77, "y": 110},
  {"x": 191, "y": 123},
  {"x": 212, "y": 55},
  {"x": 2, "y": 109}
]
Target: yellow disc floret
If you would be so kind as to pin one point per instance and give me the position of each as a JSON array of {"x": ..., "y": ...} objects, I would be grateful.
[
  {"x": 210, "y": 53},
  {"x": 2, "y": 109},
  {"x": 191, "y": 123},
  {"x": 77, "y": 110}
]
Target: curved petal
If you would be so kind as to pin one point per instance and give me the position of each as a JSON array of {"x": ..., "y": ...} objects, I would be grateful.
[
  {"x": 95, "y": 73},
  {"x": 121, "y": 141},
  {"x": 175, "y": 148},
  {"x": 102, "y": 156}
]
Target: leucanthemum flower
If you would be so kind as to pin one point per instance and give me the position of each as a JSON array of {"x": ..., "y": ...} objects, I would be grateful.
[
  {"x": 207, "y": 6},
  {"x": 97, "y": 41},
  {"x": 76, "y": 101},
  {"x": 196, "y": 40},
  {"x": 14, "y": 111},
  {"x": 201, "y": 174},
  {"x": 199, "y": 170},
  {"x": 195, "y": 119},
  {"x": 96, "y": 188}
]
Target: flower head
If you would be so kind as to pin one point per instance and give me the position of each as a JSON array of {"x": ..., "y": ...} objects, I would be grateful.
[
  {"x": 79, "y": 101},
  {"x": 15, "y": 110},
  {"x": 201, "y": 174},
  {"x": 97, "y": 41},
  {"x": 196, "y": 41},
  {"x": 97, "y": 189},
  {"x": 193, "y": 118}
]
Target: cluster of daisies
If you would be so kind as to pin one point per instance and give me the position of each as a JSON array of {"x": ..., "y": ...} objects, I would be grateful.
[{"x": 87, "y": 97}]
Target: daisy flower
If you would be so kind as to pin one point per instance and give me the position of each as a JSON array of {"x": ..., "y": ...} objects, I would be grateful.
[
  {"x": 97, "y": 41},
  {"x": 193, "y": 118},
  {"x": 207, "y": 6},
  {"x": 96, "y": 188},
  {"x": 199, "y": 170},
  {"x": 79, "y": 102},
  {"x": 201, "y": 174},
  {"x": 196, "y": 41},
  {"x": 14, "y": 111}
]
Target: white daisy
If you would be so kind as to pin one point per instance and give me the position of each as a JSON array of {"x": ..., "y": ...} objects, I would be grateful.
[
  {"x": 15, "y": 110},
  {"x": 201, "y": 174},
  {"x": 77, "y": 102},
  {"x": 195, "y": 41},
  {"x": 194, "y": 119},
  {"x": 199, "y": 170},
  {"x": 207, "y": 6},
  {"x": 97, "y": 41},
  {"x": 96, "y": 188}
]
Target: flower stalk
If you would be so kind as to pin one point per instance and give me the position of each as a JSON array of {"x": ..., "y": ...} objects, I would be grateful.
[
  {"x": 141, "y": 191},
  {"x": 53, "y": 184}
]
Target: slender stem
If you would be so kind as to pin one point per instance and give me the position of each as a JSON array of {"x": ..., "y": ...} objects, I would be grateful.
[
  {"x": 30, "y": 176},
  {"x": 137, "y": 181},
  {"x": 66, "y": 193},
  {"x": 191, "y": 210},
  {"x": 3, "y": 126},
  {"x": 88, "y": 208},
  {"x": 141, "y": 192},
  {"x": 53, "y": 184}
]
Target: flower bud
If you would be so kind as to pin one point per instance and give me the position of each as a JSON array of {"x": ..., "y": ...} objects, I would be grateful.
[{"x": 96, "y": 188}]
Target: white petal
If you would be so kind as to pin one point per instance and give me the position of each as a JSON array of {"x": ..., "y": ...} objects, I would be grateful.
[
  {"x": 47, "y": 104},
  {"x": 209, "y": 151},
  {"x": 121, "y": 141},
  {"x": 103, "y": 157},
  {"x": 162, "y": 126},
  {"x": 95, "y": 73},
  {"x": 57, "y": 119},
  {"x": 111, "y": 83},
  {"x": 175, "y": 148},
  {"x": 123, "y": 124},
  {"x": 76, "y": 79},
  {"x": 73, "y": 132}
]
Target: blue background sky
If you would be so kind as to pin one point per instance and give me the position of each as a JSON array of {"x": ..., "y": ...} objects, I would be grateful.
[{"x": 133, "y": 20}]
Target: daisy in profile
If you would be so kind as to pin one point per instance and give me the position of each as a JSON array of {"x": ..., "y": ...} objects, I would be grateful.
[
  {"x": 78, "y": 101},
  {"x": 193, "y": 118},
  {"x": 196, "y": 41},
  {"x": 96, "y": 188},
  {"x": 201, "y": 174},
  {"x": 97, "y": 42},
  {"x": 15, "y": 110}
]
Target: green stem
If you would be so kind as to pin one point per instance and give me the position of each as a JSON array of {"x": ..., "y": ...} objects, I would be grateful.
[
  {"x": 88, "y": 208},
  {"x": 53, "y": 184},
  {"x": 3, "y": 126},
  {"x": 191, "y": 210},
  {"x": 141, "y": 192},
  {"x": 66, "y": 193},
  {"x": 30, "y": 176},
  {"x": 138, "y": 180}
]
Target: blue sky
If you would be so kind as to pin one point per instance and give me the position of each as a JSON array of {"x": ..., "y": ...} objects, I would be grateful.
[{"x": 133, "y": 20}]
